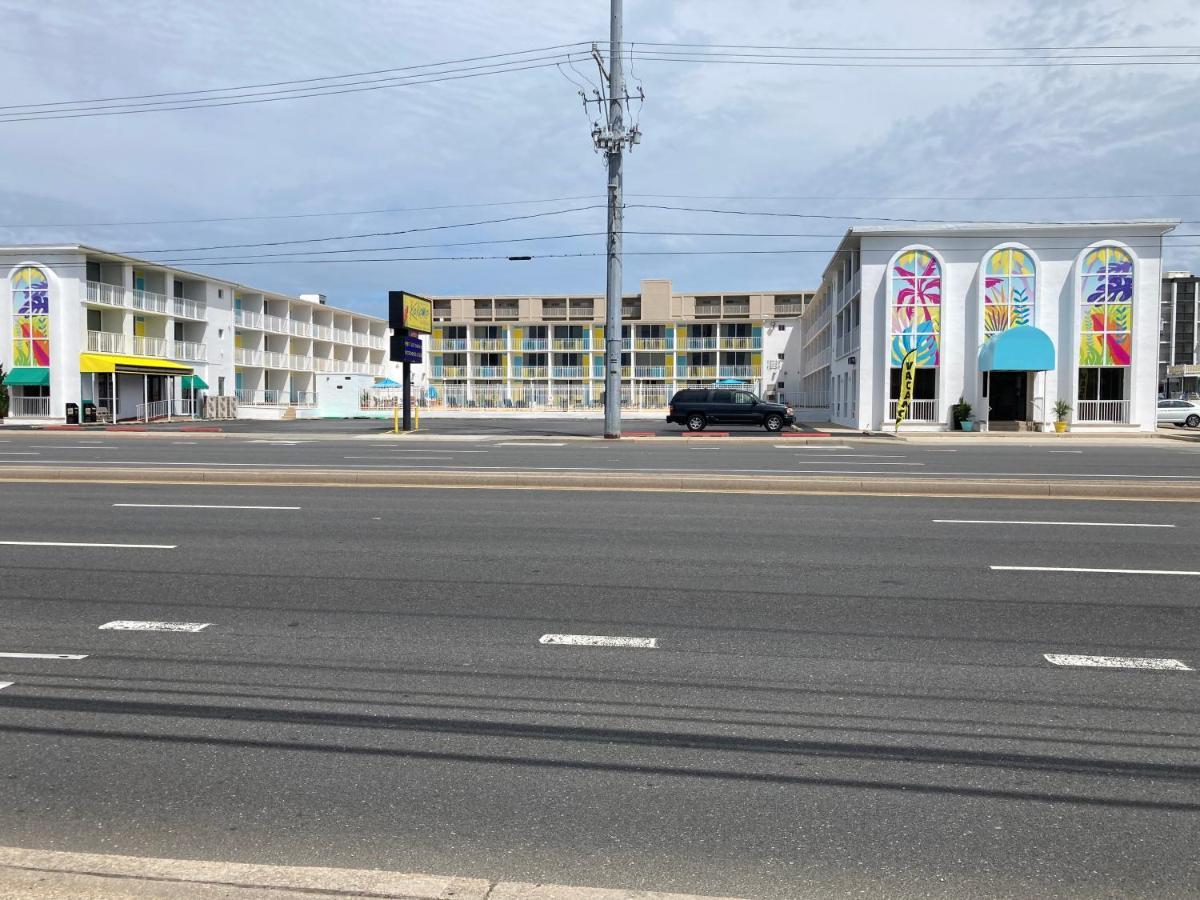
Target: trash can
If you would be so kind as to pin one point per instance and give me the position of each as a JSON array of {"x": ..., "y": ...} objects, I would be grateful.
[
  {"x": 72, "y": 413},
  {"x": 89, "y": 412}
]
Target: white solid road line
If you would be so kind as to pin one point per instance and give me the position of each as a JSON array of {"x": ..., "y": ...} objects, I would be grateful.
[
  {"x": 530, "y": 444},
  {"x": 19, "y": 453},
  {"x": 1095, "y": 571},
  {"x": 598, "y": 640},
  {"x": 1066, "y": 451},
  {"x": 438, "y": 449},
  {"x": 1116, "y": 662},
  {"x": 4, "y": 684},
  {"x": 819, "y": 449},
  {"x": 1032, "y": 522},
  {"x": 185, "y": 442},
  {"x": 43, "y": 656},
  {"x": 704, "y": 448},
  {"x": 75, "y": 544},
  {"x": 197, "y": 506},
  {"x": 74, "y": 447},
  {"x": 403, "y": 457},
  {"x": 124, "y": 625},
  {"x": 810, "y": 456}
]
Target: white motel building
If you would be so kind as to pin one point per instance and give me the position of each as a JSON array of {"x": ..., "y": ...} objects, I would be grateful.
[
  {"x": 1009, "y": 317},
  {"x": 139, "y": 339}
]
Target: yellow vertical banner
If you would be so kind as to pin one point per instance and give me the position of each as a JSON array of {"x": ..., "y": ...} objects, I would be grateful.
[{"x": 908, "y": 376}]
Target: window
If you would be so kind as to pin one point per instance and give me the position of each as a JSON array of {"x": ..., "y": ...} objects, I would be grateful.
[
  {"x": 916, "y": 297},
  {"x": 743, "y": 399},
  {"x": 1106, "y": 315},
  {"x": 31, "y": 317},
  {"x": 722, "y": 397},
  {"x": 1010, "y": 291}
]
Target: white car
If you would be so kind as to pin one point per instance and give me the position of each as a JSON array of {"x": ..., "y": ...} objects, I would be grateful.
[{"x": 1179, "y": 413}]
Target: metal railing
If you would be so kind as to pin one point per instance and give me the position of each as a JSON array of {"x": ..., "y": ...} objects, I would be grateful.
[
  {"x": 106, "y": 342},
  {"x": 300, "y": 363},
  {"x": 149, "y": 301},
  {"x": 449, "y": 371},
  {"x": 360, "y": 338},
  {"x": 299, "y": 329},
  {"x": 737, "y": 371},
  {"x": 570, "y": 344},
  {"x": 567, "y": 371},
  {"x": 528, "y": 372},
  {"x": 376, "y": 342},
  {"x": 341, "y": 335},
  {"x": 700, "y": 371},
  {"x": 789, "y": 309},
  {"x": 166, "y": 409},
  {"x": 534, "y": 344},
  {"x": 189, "y": 309},
  {"x": 243, "y": 357},
  {"x": 489, "y": 371},
  {"x": 488, "y": 344},
  {"x": 276, "y": 397},
  {"x": 918, "y": 411},
  {"x": 449, "y": 345},
  {"x": 1114, "y": 412},
  {"x": 650, "y": 372},
  {"x": 28, "y": 407},
  {"x": 741, "y": 343},
  {"x": 700, "y": 343},
  {"x": 189, "y": 350},
  {"x": 652, "y": 343},
  {"x": 246, "y": 319},
  {"x": 275, "y": 323},
  {"x": 274, "y": 360},
  {"x": 322, "y": 332},
  {"x": 148, "y": 346},
  {"x": 105, "y": 294}
]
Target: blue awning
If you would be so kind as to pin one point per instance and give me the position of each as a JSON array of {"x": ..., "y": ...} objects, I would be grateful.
[{"x": 1021, "y": 349}]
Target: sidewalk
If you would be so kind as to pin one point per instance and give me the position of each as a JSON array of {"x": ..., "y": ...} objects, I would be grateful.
[{"x": 94, "y": 876}]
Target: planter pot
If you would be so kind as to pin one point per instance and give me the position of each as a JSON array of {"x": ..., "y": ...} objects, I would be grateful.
[
  {"x": 967, "y": 426},
  {"x": 1060, "y": 427}
]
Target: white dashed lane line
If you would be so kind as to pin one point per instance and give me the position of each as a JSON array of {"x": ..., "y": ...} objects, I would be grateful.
[
  {"x": 123, "y": 625},
  {"x": 598, "y": 640},
  {"x": 195, "y": 506},
  {"x": 529, "y": 444},
  {"x": 1092, "y": 571},
  {"x": 1033, "y": 522},
  {"x": 74, "y": 544},
  {"x": 1116, "y": 662},
  {"x": 439, "y": 450},
  {"x": 43, "y": 656},
  {"x": 4, "y": 684}
]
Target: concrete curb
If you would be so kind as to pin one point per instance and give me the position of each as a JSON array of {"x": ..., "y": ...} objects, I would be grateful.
[
  {"x": 618, "y": 481},
  {"x": 52, "y": 873}
]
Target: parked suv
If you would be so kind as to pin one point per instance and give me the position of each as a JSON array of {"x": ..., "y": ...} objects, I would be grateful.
[{"x": 696, "y": 408}]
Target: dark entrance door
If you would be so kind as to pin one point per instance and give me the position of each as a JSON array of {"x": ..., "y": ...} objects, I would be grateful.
[{"x": 1008, "y": 396}]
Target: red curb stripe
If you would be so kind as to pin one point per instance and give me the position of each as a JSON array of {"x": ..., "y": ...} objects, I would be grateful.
[
  {"x": 803, "y": 434},
  {"x": 704, "y": 434},
  {"x": 125, "y": 428},
  {"x": 637, "y": 434},
  {"x": 201, "y": 428}
]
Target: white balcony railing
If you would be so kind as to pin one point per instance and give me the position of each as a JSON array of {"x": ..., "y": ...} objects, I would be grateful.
[
  {"x": 166, "y": 409},
  {"x": 148, "y": 301},
  {"x": 188, "y": 309},
  {"x": 105, "y": 294},
  {"x": 789, "y": 309},
  {"x": 653, "y": 343},
  {"x": 148, "y": 346},
  {"x": 300, "y": 363},
  {"x": 320, "y": 364},
  {"x": 488, "y": 344},
  {"x": 737, "y": 371},
  {"x": 244, "y": 318},
  {"x": 360, "y": 368},
  {"x": 489, "y": 371},
  {"x": 322, "y": 332},
  {"x": 534, "y": 344},
  {"x": 1114, "y": 412},
  {"x": 273, "y": 360},
  {"x": 299, "y": 329},
  {"x": 28, "y": 407},
  {"x": 700, "y": 343},
  {"x": 567, "y": 371},
  {"x": 570, "y": 344},
  {"x": 450, "y": 372},
  {"x": 242, "y": 357},
  {"x": 276, "y": 323},
  {"x": 341, "y": 335},
  {"x": 650, "y": 372},
  {"x": 528, "y": 372},
  {"x": 360, "y": 339},
  {"x": 106, "y": 342},
  {"x": 918, "y": 411},
  {"x": 449, "y": 345},
  {"x": 376, "y": 342},
  {"x": 189, "y": 350},
  {"x": 741, "y": 343},
  {"x": 700, "y": 371}
]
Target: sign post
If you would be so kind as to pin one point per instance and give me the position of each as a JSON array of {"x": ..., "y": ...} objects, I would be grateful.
[
  {"x": 409, "y": 316},
  {"x": 908, "y": 375}
]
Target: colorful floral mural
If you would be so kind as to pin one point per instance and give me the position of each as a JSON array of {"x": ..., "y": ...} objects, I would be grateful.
[
  {"x": 31, "y": 317},
  {"x": 1010, "y": 291},
  {"x": 1106, "y": 316},
  {"x": 916, "y": 298}
]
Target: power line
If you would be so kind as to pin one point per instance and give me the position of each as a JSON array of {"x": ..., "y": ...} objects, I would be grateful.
[
  {"x": 915, "y": 63},
  {"x": 868, "y": 197},
  {"x": 922, "y": 49}
]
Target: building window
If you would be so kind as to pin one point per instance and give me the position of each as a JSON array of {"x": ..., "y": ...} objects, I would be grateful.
[
  {"x": 1106, "y": 314},
  {"x": 1010, "y": 290},
  {"x": 31, "y": 317},
  {"x": 916, "y": 297}
]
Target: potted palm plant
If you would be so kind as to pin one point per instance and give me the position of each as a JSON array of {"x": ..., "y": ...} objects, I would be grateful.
[
  {"x": 1062, "y": 409},
  {"x": 3, "y": 395},
  {"x": 961, "y": 414}
]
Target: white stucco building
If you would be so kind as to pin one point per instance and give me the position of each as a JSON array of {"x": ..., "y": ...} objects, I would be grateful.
[
  {"x": 133, "y": 336},
  {"x": 1072, "y": 310}
]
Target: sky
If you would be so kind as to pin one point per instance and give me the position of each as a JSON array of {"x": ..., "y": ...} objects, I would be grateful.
[{"x": 820, "y": 144}]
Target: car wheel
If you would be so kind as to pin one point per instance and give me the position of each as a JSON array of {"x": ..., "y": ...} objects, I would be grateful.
[
  {"x": 1192, "y": 421},
  {"x": 773, "y": 422},
  {"x": 696, "y": 422}
]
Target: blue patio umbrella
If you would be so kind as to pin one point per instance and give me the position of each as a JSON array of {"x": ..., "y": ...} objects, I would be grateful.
[
  {"x": 387, "y": 383},
  {"x": 729, "y": 381}
]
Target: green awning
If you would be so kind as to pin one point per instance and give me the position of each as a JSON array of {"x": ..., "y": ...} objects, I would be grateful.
[
  {"x": 28, "y": 375},
  {"x": 193, "y": 382}
]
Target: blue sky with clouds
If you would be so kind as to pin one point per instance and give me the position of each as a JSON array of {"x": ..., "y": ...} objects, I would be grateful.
[{"x": 778, "y": 132}]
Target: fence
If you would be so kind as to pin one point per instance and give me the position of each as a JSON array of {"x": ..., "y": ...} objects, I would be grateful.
[
  {"x": 918, "y": 411},
  {"x": 1114, "y": 412},
  {"x": 31, "y": 407},
  {"x": 166, "y": 409}
]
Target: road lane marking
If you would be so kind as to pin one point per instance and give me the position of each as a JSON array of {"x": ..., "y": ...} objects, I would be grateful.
[
  {"x": 1032, "y": 522},
  {"x": 406, "y": 457},
  {"x": 197, "y": 506},
  {"x": 126, "y": 625},
  {"x": 831, "y": 462},
  {"x": 1093, "y": 571},
  {"x": 1116, "y": 662},
  {"x": 43, "y": 656},
  {"x": 287, "y": 443},
  {"x": 1066, "y": 451},
  {"x": 19, "y": 453},
  {"x": 530, "y": 444},
  {"x": 4, "y": 684},
  {"x": 704, "y": 448},
  {"x": 413, "y": 450},
  {"x": 74, "y": 447},
  {"x": 76, "y": 544},
  {"x": 185, "y": 442},
  {"x": 821, "y": 449},
  {"x": 598, "y": 640},
  {"x": 811, "y": 456}
]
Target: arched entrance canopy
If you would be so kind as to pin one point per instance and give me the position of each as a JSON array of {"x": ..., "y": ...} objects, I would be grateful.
[{"x": 1021, "y": 349}]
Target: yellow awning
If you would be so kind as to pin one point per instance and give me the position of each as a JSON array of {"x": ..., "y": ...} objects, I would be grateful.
[{"x": 107, "y": 362}]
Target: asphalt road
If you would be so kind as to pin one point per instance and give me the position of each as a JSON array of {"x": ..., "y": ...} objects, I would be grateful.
[
  {"x": 845, "y": 698},
  {"x": 1150, "y": 461}
]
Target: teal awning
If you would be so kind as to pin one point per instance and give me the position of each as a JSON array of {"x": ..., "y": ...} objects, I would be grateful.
[
  {"x": 1020, "y": 349},
  {"x": 193, "y": 382},
  {"x": 28, "y": 375}
]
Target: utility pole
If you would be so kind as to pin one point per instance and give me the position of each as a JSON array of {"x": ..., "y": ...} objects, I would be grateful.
[{"x": 611, "y": 139}]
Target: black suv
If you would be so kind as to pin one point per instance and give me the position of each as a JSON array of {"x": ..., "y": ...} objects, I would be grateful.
[{"x": 694, "y": 409}]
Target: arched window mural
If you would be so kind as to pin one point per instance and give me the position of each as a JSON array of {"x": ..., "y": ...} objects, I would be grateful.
[
  {"x": 1106, "y": 320},
  {"x": 916, "y": 299},
  {"x": 1009, "y": 292},
  {"x": 31, "y": 317}
]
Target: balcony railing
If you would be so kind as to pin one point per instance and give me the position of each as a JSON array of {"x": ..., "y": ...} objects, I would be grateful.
[
  {"x": 276, "y": 323},
  {"x": 276, "y": 397},
  {"x": 737, "y": 371},
  {"x": 361, "y": 368},
  {"x": 631, "y": 312},
  {"x": 28, "y": 407},
  {"x": 554, "y": 312},
  {"x": 700, "y": 343},
  {"x": 534, "y": 344},
  {"x": 650, "y": 372},
  {"x": 708, "y": 311},
  {"x": 488, "y": 344},
  {"x": 449, "y": 345},
  {"x": 528, "y": 372},
  {"x": 376, "y": 342},
  {"x": 1113, "y": 412},
  {"x": 106, "y": 342},
  {"x": 918, "y": 411},
  {"x": 737, "y": 309},
  {"x": 148, "y": 346},
  {"x": 322, "y": 332},
  {"x": 567, "y": 371},
  {"x": 299, "y": 329},
  {"x": 569, "y": 344},
  {"x": 274, "y": 360},
  {"x": 299, "y": 363},
  {"x": 489, "y": 371},
  {"x": 700, "y": 371},
  {"x": 148, "y": 301},
  {"x": 789, "y": 309},
  {"x": 741, "y": 343},
  {"x": 653, "y": 343},
  {"x": 244, "y": 318},
  {"x": 189, "y": 350},
  {"x": 359, "y": 338},
  {"x": 449, "y": 371},
  {"x": 188, "y": 309},
  {"x": 166, "y": 409},
  {"x": 342, "y": 336},
  {"x": 243, "y": 357},
  {"x": 105, "y": 294},
  {"x": 322, "y": 364}
]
